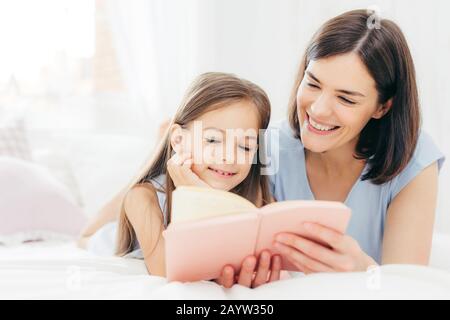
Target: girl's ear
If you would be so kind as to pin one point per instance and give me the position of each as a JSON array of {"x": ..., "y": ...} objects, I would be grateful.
[
  {"x": 383, "y": 109},
  {"x": 176, "y": 138}
]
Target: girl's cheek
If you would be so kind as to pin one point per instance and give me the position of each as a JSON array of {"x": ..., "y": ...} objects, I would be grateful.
[
  {"x": 248, "y": 159},
  {"x": 244, "y": 170},
  {"x": 208, "y": 154},
  {"x": 199, "y": 169},
  {"x": 201, "y": 155}
]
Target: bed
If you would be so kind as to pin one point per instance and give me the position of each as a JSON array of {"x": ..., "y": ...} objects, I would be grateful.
[{"x": 59, "y": 270}]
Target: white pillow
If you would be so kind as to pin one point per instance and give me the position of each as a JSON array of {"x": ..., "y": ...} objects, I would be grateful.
[
  {"x": 104, "y": 164},
  {"x": 31, "y": 201}
]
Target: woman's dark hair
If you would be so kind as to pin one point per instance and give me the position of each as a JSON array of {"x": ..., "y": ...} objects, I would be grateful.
[{"x": 388, "y": 143}]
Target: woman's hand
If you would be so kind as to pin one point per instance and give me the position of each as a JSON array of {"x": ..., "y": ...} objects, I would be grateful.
[
  {"x": 179, "y": 168},
  {"x": 267, "y": 270},
  {"x": 342, "y": 253}
]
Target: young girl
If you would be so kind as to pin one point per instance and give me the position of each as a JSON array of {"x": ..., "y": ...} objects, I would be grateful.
[{"x": 197, "y": 150}]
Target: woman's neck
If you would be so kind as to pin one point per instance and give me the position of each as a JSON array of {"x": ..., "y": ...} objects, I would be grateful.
[{"x": 336, "y": 163}]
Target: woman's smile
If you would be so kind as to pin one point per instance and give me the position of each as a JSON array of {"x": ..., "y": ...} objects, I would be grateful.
[{"x": 319, "y": 128}]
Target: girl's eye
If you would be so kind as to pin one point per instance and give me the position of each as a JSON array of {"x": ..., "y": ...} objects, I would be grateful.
[
  {"x": 212, "y": 140},
  {"x": 347, "y": 101},
  {"x": 246, "y": 149},
  {"x": 312, "y": 85}
]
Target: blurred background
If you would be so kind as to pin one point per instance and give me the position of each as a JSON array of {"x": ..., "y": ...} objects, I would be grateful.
[{"x": 85, "y": 84}]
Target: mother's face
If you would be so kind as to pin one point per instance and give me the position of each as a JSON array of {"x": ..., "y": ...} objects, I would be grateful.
[{"x": 335, "y": 100}]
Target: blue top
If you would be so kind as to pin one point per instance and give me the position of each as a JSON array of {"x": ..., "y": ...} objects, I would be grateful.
[{"x": 369, "y": 202}]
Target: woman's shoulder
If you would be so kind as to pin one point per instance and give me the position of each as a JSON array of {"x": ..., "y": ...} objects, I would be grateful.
[
  {"x": 284, "y": 159},
  {"x": 426, "y": 153},
  {"x": 281, "y": 133}
]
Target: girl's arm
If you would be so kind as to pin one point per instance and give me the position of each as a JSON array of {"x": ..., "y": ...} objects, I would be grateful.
[
  {"x": 110, "y": 212},
  {"x": 145, "y": 215}
]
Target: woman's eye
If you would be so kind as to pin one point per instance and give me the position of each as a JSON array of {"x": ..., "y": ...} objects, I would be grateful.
[
  {"x": 312, "y": 85},
  {"x": 347, "y": 101}
]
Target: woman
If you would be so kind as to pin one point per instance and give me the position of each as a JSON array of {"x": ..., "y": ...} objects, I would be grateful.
[{"x": 353, "y": 135}]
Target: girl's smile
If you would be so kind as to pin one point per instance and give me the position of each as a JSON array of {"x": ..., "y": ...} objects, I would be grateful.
[{"x": 222, "y": 173}]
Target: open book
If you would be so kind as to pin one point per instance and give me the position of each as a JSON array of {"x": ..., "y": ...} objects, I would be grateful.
[{"x": 212, "y": 228}]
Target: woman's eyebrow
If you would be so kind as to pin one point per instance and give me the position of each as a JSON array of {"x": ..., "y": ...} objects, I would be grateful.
[
  {"x": 348, "y": 92},
  {"x": 351, "y": 93},
  {"x": 312, "y": 76}
]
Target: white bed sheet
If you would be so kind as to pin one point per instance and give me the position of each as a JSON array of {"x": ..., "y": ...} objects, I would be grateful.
[{"x": 59, "y": 270}]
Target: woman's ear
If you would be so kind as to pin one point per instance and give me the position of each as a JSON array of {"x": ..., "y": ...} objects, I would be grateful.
[
  {"x": 176, "y": 138},
  {"x": 383, "y": 109}
]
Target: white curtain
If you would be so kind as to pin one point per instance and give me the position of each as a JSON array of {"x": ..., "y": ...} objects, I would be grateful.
[
  {"x": 157, "y": 48},
  {"x": 163, "y": 44}
]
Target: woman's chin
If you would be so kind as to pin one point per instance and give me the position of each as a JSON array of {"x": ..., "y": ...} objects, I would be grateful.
[{"x": 314, "y": 144}]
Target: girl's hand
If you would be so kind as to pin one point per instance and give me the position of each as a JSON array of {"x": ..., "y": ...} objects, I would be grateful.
[
  {"x": 343, "y": 253},
  {"x": 267, "y": 270},
  {"x": 179, "y": 168}
]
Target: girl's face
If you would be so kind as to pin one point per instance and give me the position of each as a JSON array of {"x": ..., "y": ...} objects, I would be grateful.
[
  {"x": 223, "y": 144},
  {"x": 335, "y": 100}
]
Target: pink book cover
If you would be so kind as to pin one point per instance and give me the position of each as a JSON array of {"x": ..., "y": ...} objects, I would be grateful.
[{"x": 199, "y": 249}]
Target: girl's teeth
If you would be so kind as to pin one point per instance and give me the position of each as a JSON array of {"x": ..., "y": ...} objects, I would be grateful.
[
  {"x": 319, "y": 126},
  {"x": 223, "y": 173}
]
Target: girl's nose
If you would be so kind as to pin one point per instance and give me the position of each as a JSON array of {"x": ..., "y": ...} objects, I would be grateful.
[{"x": 227, "y": 155}]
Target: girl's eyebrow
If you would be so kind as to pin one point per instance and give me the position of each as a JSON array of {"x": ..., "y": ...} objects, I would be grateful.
[
  {"x": 223, "y": 131},
  {"x": 214, "y": 128},
  {"x": 348, "y": 92}
]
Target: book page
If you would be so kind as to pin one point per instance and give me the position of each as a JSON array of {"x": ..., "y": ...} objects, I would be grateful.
[{"x": 194, "y": 203}]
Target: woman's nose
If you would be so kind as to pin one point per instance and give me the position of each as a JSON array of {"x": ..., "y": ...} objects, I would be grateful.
[{"x": 322, "y": 106}]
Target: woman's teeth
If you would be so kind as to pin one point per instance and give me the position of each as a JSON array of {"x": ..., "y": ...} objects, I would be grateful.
[
  {"x": 223, "y": 173},
  {"x": 320, "y": 126}
]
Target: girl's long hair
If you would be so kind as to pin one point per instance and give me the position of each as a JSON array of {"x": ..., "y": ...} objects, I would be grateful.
[{"x": 210, "y": 91}]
